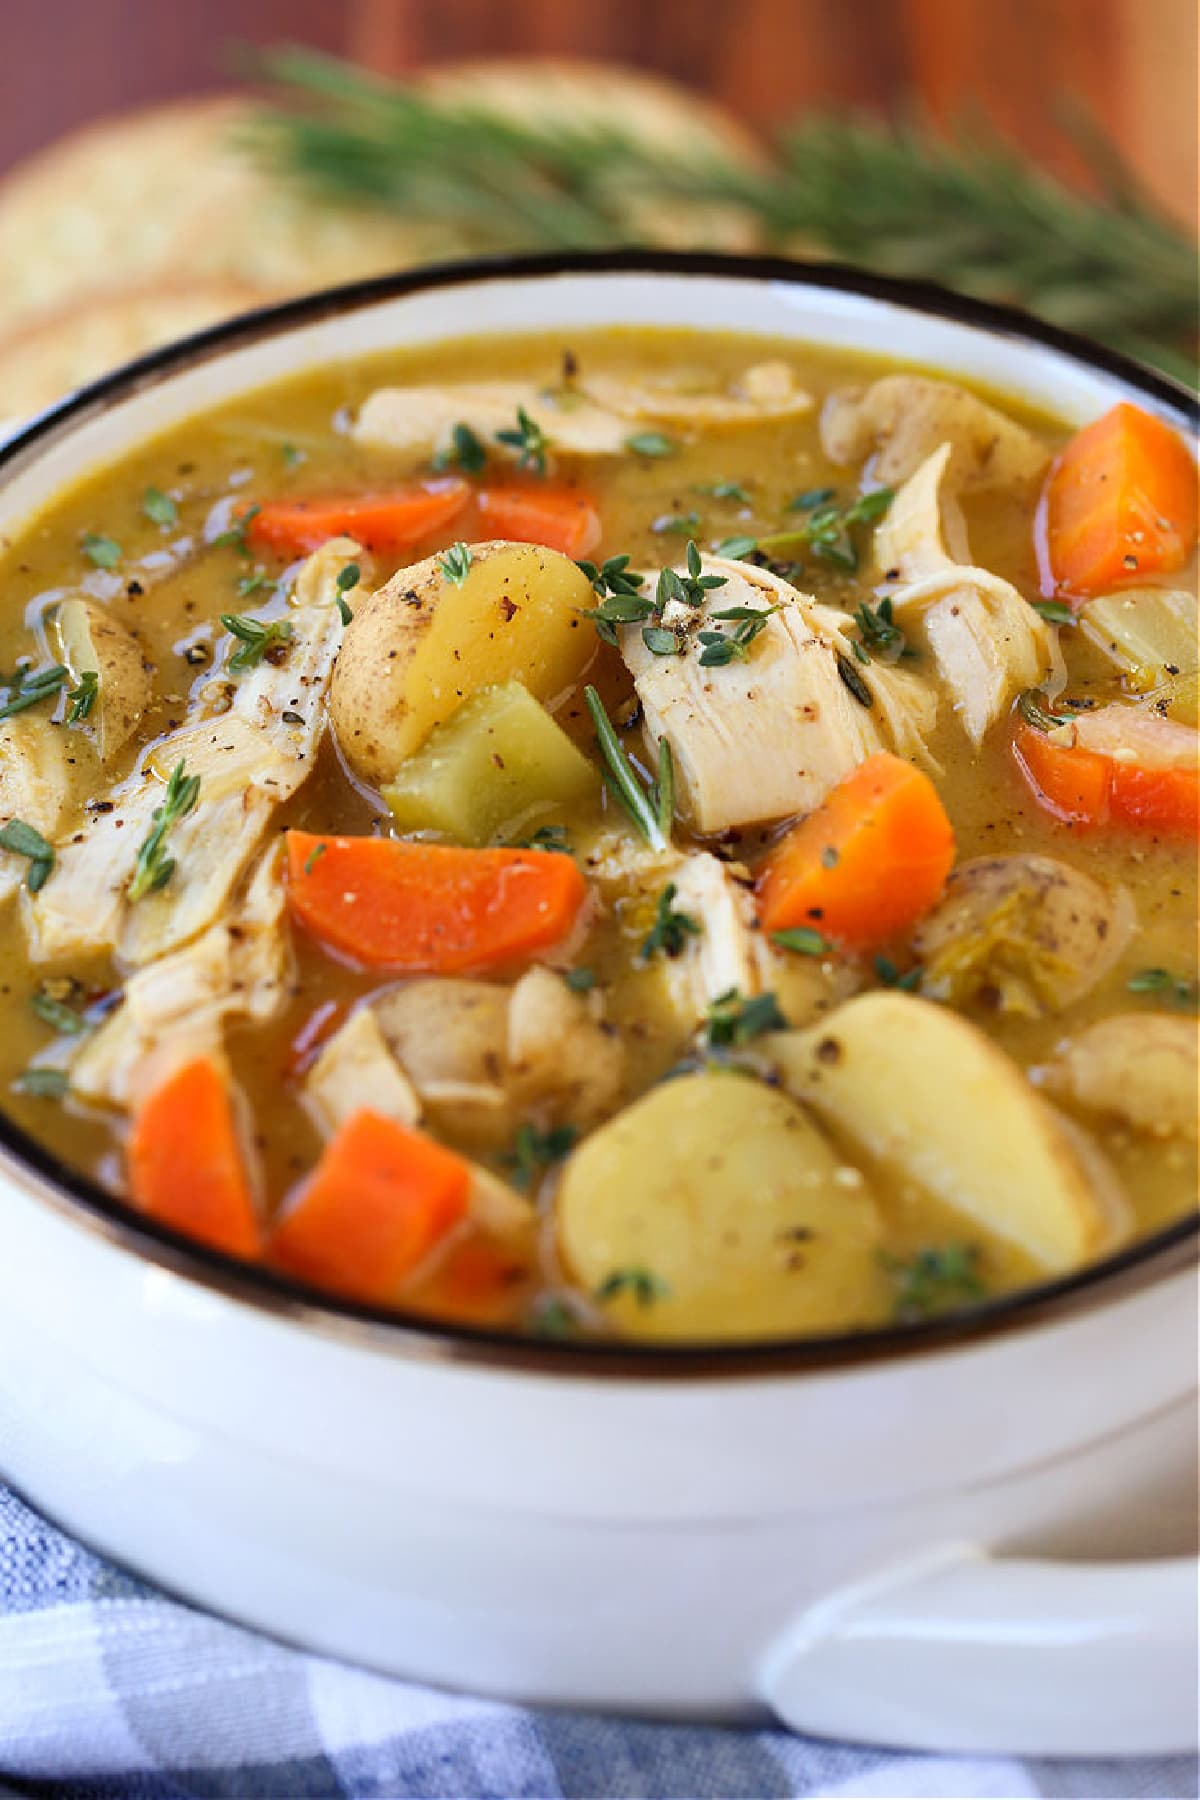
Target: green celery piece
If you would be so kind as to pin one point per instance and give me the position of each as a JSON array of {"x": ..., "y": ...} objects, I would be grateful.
[{"x": 498, "y": 767}]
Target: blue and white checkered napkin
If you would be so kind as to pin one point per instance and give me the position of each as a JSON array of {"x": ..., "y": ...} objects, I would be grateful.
[{"x": 110, "y": 1692}]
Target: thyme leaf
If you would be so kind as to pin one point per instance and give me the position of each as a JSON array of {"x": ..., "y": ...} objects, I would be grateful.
[
  {"x": 734, "y": 1020},
  {"x": 529, "y": 441},
  {"x": 154, "y": 868},
  {"x": 935, "y": 1280},
  {"x": 644, "y": 1286},
  {"x": 456, "y": 564},
  {"x": 24, "y": 841},
  {"x": 671, "y": 929},
  {"x": 83, "y": 697},
  {"x": 254, "y": 637}
]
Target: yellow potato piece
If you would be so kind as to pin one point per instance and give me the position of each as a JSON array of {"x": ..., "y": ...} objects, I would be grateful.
[
  {"x": 930, "y": 1099},
  {"x": 715, "y": 1208},
  {"x": 422, "y": 644}
]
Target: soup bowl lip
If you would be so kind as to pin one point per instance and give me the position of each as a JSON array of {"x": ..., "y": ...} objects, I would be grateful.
[{"x": 86, "y": 1204}]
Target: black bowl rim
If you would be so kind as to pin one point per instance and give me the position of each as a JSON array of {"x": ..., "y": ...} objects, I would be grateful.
[{"x": 394, "y": 1331}]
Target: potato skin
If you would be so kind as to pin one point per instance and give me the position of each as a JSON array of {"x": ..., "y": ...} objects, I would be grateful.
[
  {"x": 421, "y": 645},
  {"x": 727, "y": 1195}
]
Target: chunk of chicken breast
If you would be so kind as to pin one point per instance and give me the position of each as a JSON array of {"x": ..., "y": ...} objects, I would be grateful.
[
  {"x": 900, "y": 420},
  {"x": 1138, "y": 1068}
]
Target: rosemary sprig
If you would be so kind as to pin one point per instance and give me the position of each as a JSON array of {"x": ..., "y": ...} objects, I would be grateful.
[
  {"x": 154, "y": 868},
  {"x": 893, "y": 198},
  {"x": 652, "y": 808},
  {"x": 26, "y": 688}
]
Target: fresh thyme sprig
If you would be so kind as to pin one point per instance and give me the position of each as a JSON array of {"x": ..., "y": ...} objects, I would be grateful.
[
  {"x": 897, "y": 199},
  {"x": 671, "y": 929},
  {"x": 154, "y": 868},
  {"x": 652, "y": 808},
  {"x": 254, "y": 639},
  {"x": 529, "y": 441}
]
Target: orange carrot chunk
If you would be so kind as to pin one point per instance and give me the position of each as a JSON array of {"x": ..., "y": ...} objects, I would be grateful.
[
  {"x": 185, "y": 1162},
  {"x": 560, "y": 518},
  {"x": 388, "y": 523},
  {"x": 867, "y": 863},
  {"x": 478, "y": 1280},
  {"x": 1119, "y": 505},
  {"x": 430, "y": 908},
  {"x": 1071, "y": 783},
  {"x": 1153, "y": 785},
  {"x": 377, "y": 1204}
]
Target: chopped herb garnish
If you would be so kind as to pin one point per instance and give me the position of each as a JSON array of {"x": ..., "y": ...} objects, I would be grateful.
[
  {"x": 154, "y": 868},
  {"x": 935, "y": 1280},
  {"x": 83, "y": 698},
  {"x": 347, "y": 616},
  {"x": 581, "y": 980},
  {"x": 652, "y": 808},
  {"x": 737, "y": 548},
  {"x": 292, "y": 457},
  {"x": 56, "y": 1013},
  {"x": 671, "y": 930},
  {"x": 254, "y": 583},
  {"x": 852, "y": 680},
  {"x": 691, "y": 589},
  {"x": 255, "y": 639},
  {"x": 32, "y": 687},
  {"x": 1178, "y": 989},
  {"x": 828, "y": 531},
  {"x": 235, "y": 538},
  {"x": 724, "y": 490},
  {"x": 890, "y": 975},
  {"x": 724, "y": 647},
  {"x": 879, "y": 629},
  {"x": 347, "y": 579},
  {"x": 676, "y": 522},
  {"x": 45, "y": 1084},
  {"x": 810, "y": 499},
  {"x": 1031, "y": 709},
  {"x": 23, "y": 840},
  {"x": 660, "y": 642},
  {"x": 529, "y": 441},
  {"x": 803, "y": 938},
  {"x": 159, "y": 507},
  {"x": 619, "y": 609},
  {"x": 651, "y": 443},
  {"x": 456, "y": 564},
  {"x": 105, "y": 552},
  {"x": 310, "y": 861},
  {"x": 465, "y": 451},
  {"x": 553, "y": 1319},
  {"x": 644, "y": 1286},
  {"x": 1054, "y": 612},
  {"x": 547, "y": 837},
  {"x": 733, "y": 1021},
  {"x": 614, "y": 576},
  {"x": 535, "y": 1150}
]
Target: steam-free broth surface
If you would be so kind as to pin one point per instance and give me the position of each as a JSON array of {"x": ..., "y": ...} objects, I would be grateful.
[{"x": 617, "y": 1135}]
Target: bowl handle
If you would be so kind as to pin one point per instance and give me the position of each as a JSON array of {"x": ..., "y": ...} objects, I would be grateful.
[{"x": 962, "y": 1651}]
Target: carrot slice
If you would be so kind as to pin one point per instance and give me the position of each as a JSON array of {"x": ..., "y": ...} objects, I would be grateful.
[
  {"x": 867, "y": 863},
  {"x": 376, "y": 1205},
  {"x": 387, "y": 523},
  {"x": 430, "y": 908},
  {"x": 1085, "y": 788},
  {"x": 1119, "y": 504},
  {"x": 185, "y": 1162},
  {"x": 560, "y": 518},
  {"x": 479, "y": 1280},
  {"x": 1071, "y": 783}
]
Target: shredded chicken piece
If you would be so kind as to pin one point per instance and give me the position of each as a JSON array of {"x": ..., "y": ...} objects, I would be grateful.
[
  {"x": 1138, "y": 1068},
  {"x": 249, "y": 758},
  {"x": 899, "y": 421},
  {"x": 987, "y": 641},
  {"x": 482, "y": 1057},
  {"x": 559, "y": 1054},
  {"x": 590, "y": 417},
  {"x": 177, "y": 1007},
  {"x": 769, "y": 736},
  {"x": 35, "y": 787},
  {"x": 420, "y": 419},
  {"x": 356, "y": 1069}
]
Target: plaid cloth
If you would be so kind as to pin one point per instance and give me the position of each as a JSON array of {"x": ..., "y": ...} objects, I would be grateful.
[{"x": 108, "y": 1691}]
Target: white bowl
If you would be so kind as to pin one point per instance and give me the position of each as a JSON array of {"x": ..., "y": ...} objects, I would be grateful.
[{"x": 966, "y": 1535}]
